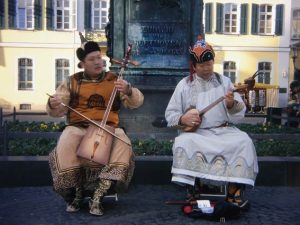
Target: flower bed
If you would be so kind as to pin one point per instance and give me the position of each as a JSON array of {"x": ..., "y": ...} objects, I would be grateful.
[{"x": 42, "y": 146}]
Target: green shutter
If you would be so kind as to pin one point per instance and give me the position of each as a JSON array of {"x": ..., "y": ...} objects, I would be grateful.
[
  {"x": 38, "y": 14},
  {"x": 49, "y": 14},
  {"x": 87, "y": 14},
  {"x": 220, "y": 12},
  {"x": 12, "y": 14},
  {"x": 244, "y": 17},
  {"x": 2, "y": 15},
  {"x": 279, "y": 19},
  {"x": 208, "y": 17},
  {"x": 254, "y": 21}
]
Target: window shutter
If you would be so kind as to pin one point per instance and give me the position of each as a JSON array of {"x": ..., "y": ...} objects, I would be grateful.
[
  {"x": 87, "y": 14},
  {"x": 38, "y": 14},
  {"x": 244, "y": 17},
  {"x": 12, "y": 14},
  {"x": 220, "y": 10},
  {"x": 254, "y": 22},
  {"x": 2, "y": 16},
  {"x": 49, "y": 14},
  {"x": 279, "y": 19},
  {"x": 208, "y": 17}
]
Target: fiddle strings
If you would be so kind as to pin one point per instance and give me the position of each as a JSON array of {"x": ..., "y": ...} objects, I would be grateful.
[
  {"x": 111, "y": 100},
  {"x": 114, "y": 92}
]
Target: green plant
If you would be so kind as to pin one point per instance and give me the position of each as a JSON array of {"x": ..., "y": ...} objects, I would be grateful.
[{"x": 42, "y": 146}]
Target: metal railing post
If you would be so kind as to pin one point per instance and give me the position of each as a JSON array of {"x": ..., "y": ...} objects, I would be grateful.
[
  {"x": 5, "y": 139},
  {"x": 14, "y": 114},
  {"x": 1, "y": 116}
]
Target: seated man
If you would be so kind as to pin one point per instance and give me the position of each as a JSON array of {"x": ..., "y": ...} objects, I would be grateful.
[
  {"x": 207, "y": 148},
  {"x": 89, "y": 92}
]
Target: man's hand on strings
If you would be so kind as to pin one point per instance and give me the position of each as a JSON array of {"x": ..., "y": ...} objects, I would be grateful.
[
  {"x": 123, "y": 86},
  {"x": 191, "y": 118},
  {"x": 229, "y": 99}
]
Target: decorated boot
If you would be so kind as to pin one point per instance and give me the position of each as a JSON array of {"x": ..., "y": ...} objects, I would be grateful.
[
  {"x": 74, "y": 206},
  {"x": 235, "y": 195},
  {"x": 95, "y": 203}
]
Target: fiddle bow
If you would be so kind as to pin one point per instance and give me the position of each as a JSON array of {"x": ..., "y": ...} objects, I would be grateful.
[{"x": 97, "y": 142}]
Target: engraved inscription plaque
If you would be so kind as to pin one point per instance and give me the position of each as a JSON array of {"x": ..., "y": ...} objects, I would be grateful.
[{"x": 159, "y": 31}]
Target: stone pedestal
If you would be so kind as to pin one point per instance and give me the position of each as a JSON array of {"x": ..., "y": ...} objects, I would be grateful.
[{"x": 161, "y": 32}]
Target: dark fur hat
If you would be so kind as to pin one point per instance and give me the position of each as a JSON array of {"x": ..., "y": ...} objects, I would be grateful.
[{"x": 87, "y": 48}]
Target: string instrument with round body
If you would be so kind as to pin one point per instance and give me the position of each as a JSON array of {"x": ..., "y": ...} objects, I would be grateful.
[
  {"x": 97, "y": 143},
  {"x": 210, "y": 106}
]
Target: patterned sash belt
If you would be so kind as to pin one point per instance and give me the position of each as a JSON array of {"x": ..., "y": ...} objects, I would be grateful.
[{"x": 225, "y": 124}]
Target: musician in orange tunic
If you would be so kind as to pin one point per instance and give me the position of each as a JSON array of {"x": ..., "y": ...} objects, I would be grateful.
[{"x": 88, "y": 92}]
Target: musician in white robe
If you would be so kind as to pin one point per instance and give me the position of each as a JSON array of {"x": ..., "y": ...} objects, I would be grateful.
[{"x": 215, "y": 152}]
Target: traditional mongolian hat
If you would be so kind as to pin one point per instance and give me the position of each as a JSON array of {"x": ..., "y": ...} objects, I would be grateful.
[
  {"x": 86, "y": 48},
  {"x": 199, "y": 53}
]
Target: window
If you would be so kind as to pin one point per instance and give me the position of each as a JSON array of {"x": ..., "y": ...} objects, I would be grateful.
[
  {"x": 230, "y": 18},
  {"x": 296, "y": 24},
  {"x": 62, "y": 67},
  {"x": 100, "y": 14},
  {"x": 64, "y": 14},
  {"x": 25, "y": 106},
  {"x": 229, "y": 70},
  {"x": 265, "y": 75},
  {"x": 265, "y": 19},
  {"x": 25, "y": 14},
  {"x": 25, "y": 74}
]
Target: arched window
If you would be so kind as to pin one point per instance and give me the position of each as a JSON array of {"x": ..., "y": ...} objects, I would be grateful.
[
  {"x": 265, "y": 75},
  {"x": 229, "y": 70},
  {"x": 25, "y": 76},
  {"x": 62, "y": 70}
]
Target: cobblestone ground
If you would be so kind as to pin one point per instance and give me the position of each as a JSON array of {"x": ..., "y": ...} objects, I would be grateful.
[{"x": 142, "y": 205}]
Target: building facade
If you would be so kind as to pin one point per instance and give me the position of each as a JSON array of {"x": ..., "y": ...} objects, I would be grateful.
[
  {"x": 254, "y": 35},
  {"x": 38, "y": 42}
]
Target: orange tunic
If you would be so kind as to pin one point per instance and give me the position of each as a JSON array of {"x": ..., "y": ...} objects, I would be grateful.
[{"x": 94, "y": 98}]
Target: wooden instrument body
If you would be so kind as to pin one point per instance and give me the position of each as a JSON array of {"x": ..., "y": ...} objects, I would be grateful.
[
  {"x": 96, "y": 144},
  {"x": 210, "y": 106}
]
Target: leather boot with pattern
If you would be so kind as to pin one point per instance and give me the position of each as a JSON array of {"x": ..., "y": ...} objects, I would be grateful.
[
  {"x": 235, "y": 195},
  {"x": 95, "y": 203},
  {"x": 74, "y": 206}
]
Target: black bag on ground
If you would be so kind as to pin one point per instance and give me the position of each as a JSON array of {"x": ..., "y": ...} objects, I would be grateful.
[{"x": 221, "y": 209}]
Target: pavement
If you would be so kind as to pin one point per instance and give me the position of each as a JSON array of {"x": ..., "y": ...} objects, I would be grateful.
[{"x": 142, "y": 205}]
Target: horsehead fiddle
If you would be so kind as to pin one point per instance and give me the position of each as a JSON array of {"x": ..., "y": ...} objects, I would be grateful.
[
  {"x": 97, "y": 142},
  {"x": 248, "y": 85}
]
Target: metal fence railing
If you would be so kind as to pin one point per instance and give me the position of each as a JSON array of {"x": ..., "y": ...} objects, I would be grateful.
[{"x": 6, "y": 135}]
